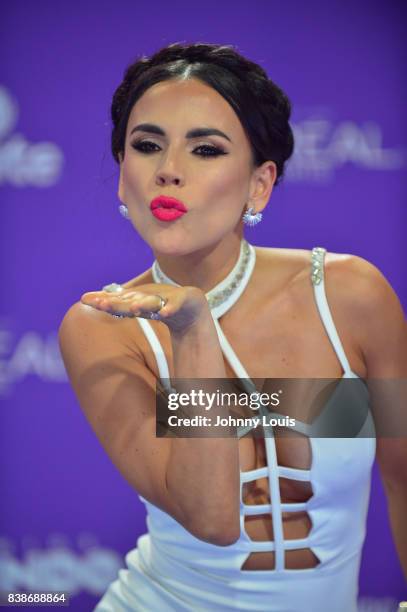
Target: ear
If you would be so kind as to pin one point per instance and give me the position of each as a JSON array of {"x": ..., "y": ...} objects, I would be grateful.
[
  {"x": 261, "y": 185},
  {"x": 120, "y": 191}
]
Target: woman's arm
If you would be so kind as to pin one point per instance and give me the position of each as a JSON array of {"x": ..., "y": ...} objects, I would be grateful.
[
  {"x": 379, "y": 326},
  {"x": 204, "y": 471},
  {"x": 195, "y": 480}
]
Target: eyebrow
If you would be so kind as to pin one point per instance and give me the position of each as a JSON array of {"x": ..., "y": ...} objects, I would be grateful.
[{"x": 194, "y": 133}]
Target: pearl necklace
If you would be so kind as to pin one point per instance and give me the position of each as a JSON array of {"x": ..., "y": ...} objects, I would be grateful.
[{"x": 227, "y": 292}]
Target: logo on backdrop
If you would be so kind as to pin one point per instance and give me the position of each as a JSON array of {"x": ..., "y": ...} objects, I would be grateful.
[
  {"x": 58, "y": 567},
  {"x": 23, "y": 163},
  {"x": 323, "y": 145},
  {"x": 32, "y": 354}
]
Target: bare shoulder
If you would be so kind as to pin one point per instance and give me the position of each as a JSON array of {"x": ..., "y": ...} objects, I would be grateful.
[
  {"x": 361, "y": 298},
  {"x": 375, "y": 313},
  {"x": 361, "y": 287},
  {"x": 364, "y": 306},
  {"x": 88, "y": 336},
  {"x": 348, "y": 278},
  {"x": 89, "y": 319},
  {"x": 86, "y": 330}
]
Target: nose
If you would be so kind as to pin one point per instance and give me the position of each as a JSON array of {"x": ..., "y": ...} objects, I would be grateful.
[
  {"x": 168, "y": 173},
  {"x": 166, "y": 178}
]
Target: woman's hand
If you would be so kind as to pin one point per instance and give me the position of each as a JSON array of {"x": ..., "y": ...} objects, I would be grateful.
[{"x": 183, "y": 309}]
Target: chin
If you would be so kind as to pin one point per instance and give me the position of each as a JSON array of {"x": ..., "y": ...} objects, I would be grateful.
[
  {"x": 177, "y": 241},
  {"x": 171, "y": 243}
]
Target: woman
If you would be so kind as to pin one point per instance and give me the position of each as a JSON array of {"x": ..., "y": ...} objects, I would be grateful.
[{"x": 235, "y": 523}]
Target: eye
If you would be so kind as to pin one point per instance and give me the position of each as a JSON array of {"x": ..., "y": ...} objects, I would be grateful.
[
  {"x": 210, "y": 151},
  {"x": 144, "y": 146},
  {"x": 147, "y": 147}
]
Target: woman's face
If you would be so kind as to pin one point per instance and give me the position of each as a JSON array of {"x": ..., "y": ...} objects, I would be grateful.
[{"x": 212, "y": 174}]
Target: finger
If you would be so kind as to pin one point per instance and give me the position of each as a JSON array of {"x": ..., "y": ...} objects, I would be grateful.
[
  {"x": 95, "y": 298},
  {"x": 112, "y": 306},
  {"x": 100, "y": 301},
  {"x": 131, "y": 295},
  {"x": 123, "y": 303},
  {"x": 92, "y": 298},
  {"x": 146, "y": 303},
  {"x": 129, "y": 304}
]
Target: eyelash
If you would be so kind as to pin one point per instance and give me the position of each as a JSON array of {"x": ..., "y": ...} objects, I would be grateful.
[{"x": 215, "y": 151}]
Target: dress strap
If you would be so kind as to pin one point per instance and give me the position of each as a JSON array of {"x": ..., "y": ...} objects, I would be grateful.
[
  {"x": 158, "y": 352},
  {"x": 233, "y": 360},
  {"x": 317, "y": 278}
]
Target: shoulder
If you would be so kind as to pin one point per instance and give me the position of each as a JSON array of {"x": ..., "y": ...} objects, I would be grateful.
[
  {"x": 96, "y": 335},
  {"x": 373, "y": 310},
  {"x": 362, "y": 301},
  {"x": 86, "y": 319},
  {"x": 355, "y": 270},
  {"x": 361, "y": 287},
  {"x": 80, "y": 326},
  {"x": 350, "y": 279},
  {"x": 87, "y": 331}
]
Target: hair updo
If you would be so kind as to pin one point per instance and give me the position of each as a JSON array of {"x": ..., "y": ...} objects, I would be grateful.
[{"x": 262, "y": 107}]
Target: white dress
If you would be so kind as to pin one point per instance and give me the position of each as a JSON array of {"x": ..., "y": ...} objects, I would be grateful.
[{"x": 170, "y": 570}]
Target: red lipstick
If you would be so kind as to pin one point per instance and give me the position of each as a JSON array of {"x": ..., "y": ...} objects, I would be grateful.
[{"x": 166, "y": 208}]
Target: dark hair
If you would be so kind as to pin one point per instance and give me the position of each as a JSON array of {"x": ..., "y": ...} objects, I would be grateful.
[{"x": 262, "y": 107}]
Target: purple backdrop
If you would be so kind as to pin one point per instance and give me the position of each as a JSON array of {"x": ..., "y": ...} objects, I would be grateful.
[{"x": 67, "y": 515}]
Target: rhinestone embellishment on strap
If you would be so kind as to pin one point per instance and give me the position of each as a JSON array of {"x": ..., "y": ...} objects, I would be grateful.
[{"x": 317, "y": 265}]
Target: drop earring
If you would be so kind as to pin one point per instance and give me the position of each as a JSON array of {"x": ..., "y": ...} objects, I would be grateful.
[
  {"x": 124, "y": 211},
  {"x": 251, "y": 219}
]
